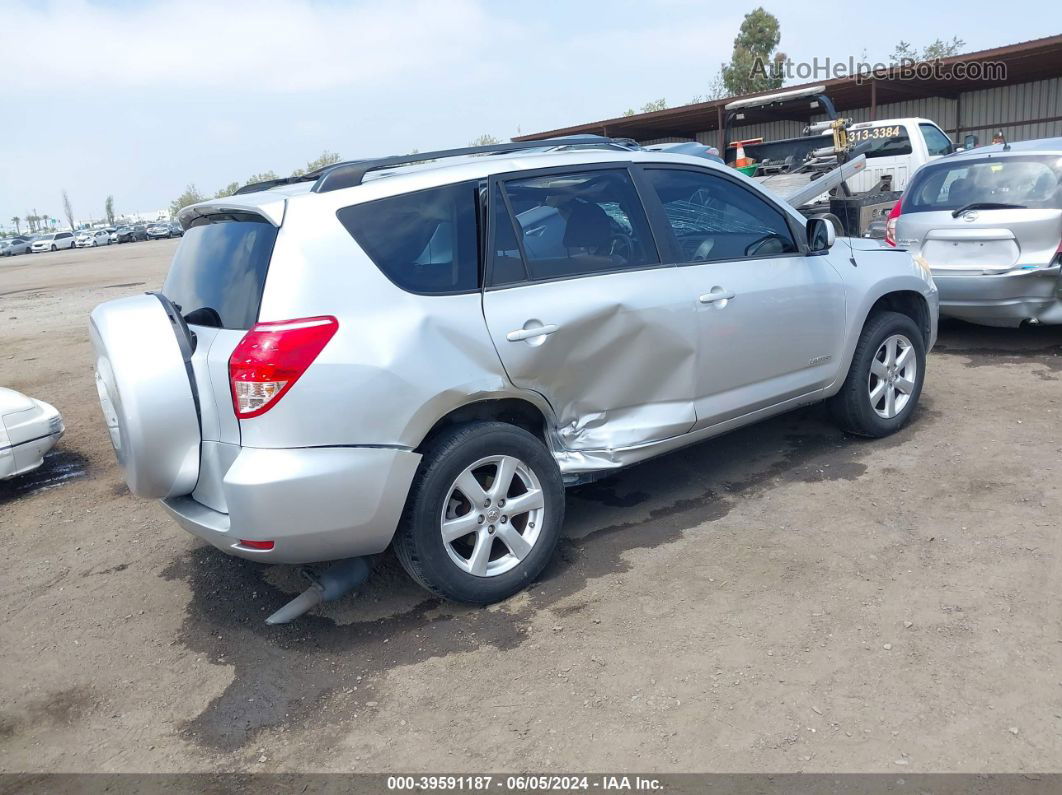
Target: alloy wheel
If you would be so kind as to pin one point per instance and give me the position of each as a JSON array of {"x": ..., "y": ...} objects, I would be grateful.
[
  {"x": 893, "y": 375},
  {"x": 492, "y": 515}
]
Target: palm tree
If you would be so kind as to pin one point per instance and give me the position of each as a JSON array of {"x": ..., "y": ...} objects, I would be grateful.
[{"x": 16, "y": 221}]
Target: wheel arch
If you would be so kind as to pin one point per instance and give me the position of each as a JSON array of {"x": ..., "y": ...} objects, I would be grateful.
[
  {"x": 900, "y": 296},
  {"x": 905, "y": 302},
  {"x": 516, "y": 411}
]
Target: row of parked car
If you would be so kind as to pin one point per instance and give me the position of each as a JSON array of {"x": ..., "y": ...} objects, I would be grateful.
[{"x": 88, "y": 238}]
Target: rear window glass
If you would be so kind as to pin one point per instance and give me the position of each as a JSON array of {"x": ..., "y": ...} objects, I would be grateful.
[
  {"x": 880, "y": 140},
  {"x": 219, "y": 271},
  {"x": 426, "y": 241},
  {"x": 1034, "y": 181}
]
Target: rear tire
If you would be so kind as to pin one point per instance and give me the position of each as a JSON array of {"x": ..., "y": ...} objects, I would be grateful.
[
  {"x": 487, "y": 549},
  {"x": 885, "y": 379}
]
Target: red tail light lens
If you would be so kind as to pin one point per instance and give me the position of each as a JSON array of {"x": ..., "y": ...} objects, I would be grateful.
[
  {"x": 262, "y": 545},
  {"x": 890, "y": 223},
  {"x": 271, "y": 358}
]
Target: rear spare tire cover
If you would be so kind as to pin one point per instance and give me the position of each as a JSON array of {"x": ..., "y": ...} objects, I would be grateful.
[{"x": 147, "y": 396}]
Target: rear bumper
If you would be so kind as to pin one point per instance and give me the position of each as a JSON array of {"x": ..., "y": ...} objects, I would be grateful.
[
  {"x": 1003, "y": 299},
  {"x": 315, "y": 504}
]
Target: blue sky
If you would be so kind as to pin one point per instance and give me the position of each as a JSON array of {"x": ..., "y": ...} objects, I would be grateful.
[{"x": 138, "y": 99}]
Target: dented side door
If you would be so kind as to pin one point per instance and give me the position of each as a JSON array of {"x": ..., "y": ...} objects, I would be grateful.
[{"x": 613, "y": 353}]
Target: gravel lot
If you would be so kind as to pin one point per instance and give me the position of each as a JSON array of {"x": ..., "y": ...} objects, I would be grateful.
[{"x": 780, "y": 599}]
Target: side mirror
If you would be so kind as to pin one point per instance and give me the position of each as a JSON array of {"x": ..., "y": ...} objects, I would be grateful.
[
  {"x": 821, "y": 235},
  {"x": 969, "y": 142}
]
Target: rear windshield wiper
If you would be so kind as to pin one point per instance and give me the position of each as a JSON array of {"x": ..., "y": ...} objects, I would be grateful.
[{"x": 986, "y": 206}]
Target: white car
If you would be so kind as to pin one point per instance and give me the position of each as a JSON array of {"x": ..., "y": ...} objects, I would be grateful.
[
  {"x": 14, "y": 245},
  {"x": 53, "y": 242},
  {"x": 87, "y": 238},
  {"x": 29, "y": 428},
  {"x": 112, "y": 234}
]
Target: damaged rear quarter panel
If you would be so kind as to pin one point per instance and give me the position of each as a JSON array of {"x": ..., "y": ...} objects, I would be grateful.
[{"x": 398, "y": 362}]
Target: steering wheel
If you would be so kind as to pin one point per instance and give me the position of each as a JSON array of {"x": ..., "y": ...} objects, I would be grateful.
[{"x": 755, "y": 247}]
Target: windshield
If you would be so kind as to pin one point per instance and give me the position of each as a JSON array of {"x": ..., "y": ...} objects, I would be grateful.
[
  {"x": 218, "y": 273},
  {"x": 1026, "y": 181}
]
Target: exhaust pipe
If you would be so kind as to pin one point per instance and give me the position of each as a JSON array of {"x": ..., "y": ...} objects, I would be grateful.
[{"x": 337, "y": 580}]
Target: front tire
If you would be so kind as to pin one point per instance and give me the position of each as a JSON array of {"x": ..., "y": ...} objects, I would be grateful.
[
  {"x": 484, "y": 513},
  {"x": 885, "y": 379}
]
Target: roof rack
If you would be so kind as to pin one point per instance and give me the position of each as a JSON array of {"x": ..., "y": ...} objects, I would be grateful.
[{"x": 351, "y": 173}]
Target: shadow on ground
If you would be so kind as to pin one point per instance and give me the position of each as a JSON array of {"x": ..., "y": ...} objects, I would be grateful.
[
  {"x": 59, "y": 467},
  {"x": 982, "y": 345},
  {"x": 391, "y": 622}
]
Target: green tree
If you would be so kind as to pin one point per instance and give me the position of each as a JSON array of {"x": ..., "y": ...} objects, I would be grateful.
[
  {"x": 936, "y": 49},
  {"x": 265, "y": 176},
  {"x": 660, "y": 104},
  {"x": 190, "y": 196},
  {"x": 326, "y": 158},
  {"x": 68, "y": 209},
  {"x": 16, "y": 221},
  {"x": 228, "y": 190},
  {"x": 108, "y": 208},
  {"x": 754, "y": 64},
  {"x": 484, "y": 140}
]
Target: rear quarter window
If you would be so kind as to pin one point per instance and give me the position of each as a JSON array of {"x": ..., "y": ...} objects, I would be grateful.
[
  {"x": 426, "y": 242},
  {"x": 218, "y": 273}
]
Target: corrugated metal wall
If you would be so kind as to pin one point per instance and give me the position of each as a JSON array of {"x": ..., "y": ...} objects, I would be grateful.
[{"x": 982, "y": 111}]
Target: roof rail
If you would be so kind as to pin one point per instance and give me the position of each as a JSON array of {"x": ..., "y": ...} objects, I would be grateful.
[
  {"x": 352, "y": 172},
  {"x": 347, "y": 175}
]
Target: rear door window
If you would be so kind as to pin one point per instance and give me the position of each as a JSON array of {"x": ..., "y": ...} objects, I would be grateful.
[
  {"x": 426, "y": 242},
  {"x": 576, "y": 224},
  {"x": 507, "y": 266},
  {"x": 218, "y": 273}
]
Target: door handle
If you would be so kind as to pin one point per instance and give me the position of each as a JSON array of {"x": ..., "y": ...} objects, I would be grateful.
[
  {"x": 716, "y": 295},
  {"x": 531, "y": 333}
]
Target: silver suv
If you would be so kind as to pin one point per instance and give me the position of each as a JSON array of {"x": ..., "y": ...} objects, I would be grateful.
[
  {"x": 988, "y": 222},
  {"x": 425, "y": 354}
]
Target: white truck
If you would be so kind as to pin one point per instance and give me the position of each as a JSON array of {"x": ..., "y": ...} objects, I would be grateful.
[{"x": 894, "y": 149}]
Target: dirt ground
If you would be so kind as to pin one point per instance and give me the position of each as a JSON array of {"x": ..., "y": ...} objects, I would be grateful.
[{"x": 784, "y": 598}]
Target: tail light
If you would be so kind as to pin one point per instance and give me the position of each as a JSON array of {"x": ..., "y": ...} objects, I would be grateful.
[
  {"x": 271, "y": 358},
  {"x": 890, "y": 223}
]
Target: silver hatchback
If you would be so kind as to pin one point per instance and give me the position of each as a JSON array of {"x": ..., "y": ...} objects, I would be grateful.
[
  {"x": 988, "y": 222},
  {"x": 425, "y": 354}
]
